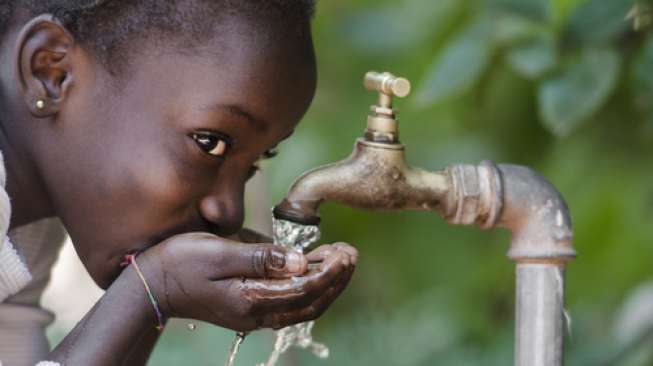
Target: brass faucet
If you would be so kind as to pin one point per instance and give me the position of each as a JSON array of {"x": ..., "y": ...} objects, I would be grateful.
[{"x": 376, "y": 175}]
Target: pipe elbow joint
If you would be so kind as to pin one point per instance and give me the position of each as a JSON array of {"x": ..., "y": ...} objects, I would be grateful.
[
  {"x": 537, "y": 215},
  {"x": 516, "y": 198}
]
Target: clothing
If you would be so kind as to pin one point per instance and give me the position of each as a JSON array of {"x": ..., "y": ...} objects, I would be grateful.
[
  {"x": 25, "y": 269},
  {"x": 14, "y": 274}
]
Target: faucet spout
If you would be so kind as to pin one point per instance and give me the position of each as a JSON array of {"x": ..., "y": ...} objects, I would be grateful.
[{"x": 374, "y": 177}]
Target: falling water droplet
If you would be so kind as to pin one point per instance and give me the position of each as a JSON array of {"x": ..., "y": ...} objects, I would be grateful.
[{"x": 235, "y": 346}]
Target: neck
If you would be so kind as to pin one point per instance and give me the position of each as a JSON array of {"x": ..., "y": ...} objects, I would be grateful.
[{"x": 29, "y": 200}]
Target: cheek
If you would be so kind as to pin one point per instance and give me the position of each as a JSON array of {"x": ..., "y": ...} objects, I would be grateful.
[
  {"x": 152, "y": 184},
  {"x": 122, "y": 191}
]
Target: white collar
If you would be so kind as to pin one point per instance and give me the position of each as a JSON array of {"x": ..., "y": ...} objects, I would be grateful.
[{"x": 14, "y": 274}]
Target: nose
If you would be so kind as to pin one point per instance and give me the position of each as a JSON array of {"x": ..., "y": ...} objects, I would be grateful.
[{"x": 224, "y": 211}]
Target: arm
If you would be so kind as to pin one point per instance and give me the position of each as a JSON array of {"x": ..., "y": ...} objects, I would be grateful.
[
  {"x": 142, "y": 345},
  {"x": 142, "y": 350},
  {"x": 107, "y": 333},
  {"x": 200, "y": 276}
]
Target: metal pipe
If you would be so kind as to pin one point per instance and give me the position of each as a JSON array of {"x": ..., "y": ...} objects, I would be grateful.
[
  {"x": 542, "y": 235},
  {"x": 539, "y": 326}
]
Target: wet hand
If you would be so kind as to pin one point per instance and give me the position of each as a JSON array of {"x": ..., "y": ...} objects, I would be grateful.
[{"x": 245, "y": 286}]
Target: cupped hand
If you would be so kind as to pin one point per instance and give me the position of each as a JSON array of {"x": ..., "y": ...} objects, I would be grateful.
[{"x": 245, "y": 286}]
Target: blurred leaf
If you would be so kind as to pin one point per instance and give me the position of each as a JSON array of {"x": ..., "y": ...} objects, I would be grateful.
[
  {"x": 398, "y": 26},
  {"x": 561, "y": 10},
  {"x": 533, "y": 9},
  {"x": 597, "y": 21},
  {"x": 532, "y": 59},
  {"x": 641, "y": 77},
  {"x": 634, "y": 329},
  {"x": 410, "y": 334},
  {"x": 640, "y": 15},
  {"x": 635, "y": 318},
  {"x": 511, "y": 29},
  {"x": 579, "y": 90},
  {"x": 459, "y": 65}
]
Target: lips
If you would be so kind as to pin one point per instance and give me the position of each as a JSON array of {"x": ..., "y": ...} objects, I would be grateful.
[{"x": 116, "y": 259}]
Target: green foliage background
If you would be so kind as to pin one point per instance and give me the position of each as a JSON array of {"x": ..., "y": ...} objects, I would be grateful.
[{"x": 563, "y": 86}]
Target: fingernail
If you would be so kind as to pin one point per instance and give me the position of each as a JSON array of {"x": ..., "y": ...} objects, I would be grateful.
[
  {"x": 277, "y": 260},
  {"x": 295, "y": 262}
]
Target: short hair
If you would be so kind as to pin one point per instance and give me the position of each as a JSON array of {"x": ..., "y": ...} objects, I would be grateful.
[{"x": 108, "y": 27}]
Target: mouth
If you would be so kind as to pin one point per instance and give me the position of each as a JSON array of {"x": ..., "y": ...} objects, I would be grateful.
[
  {"x": 142, "y": 248},
  {"x": 118, "y": 262}
]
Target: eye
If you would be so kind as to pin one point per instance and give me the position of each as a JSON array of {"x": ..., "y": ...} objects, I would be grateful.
[
  {"x": 268, "y": 154},
  {"x": 253, "y": 170},
  {"x": 211, "y": 143}
]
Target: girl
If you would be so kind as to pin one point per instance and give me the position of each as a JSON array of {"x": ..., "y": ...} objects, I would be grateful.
[{"x": 137, "y": 124}]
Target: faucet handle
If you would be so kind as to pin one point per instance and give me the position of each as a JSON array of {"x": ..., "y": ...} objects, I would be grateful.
[
  {"x": 387, "y": 84},
  {"x": 382, "y": 123}
]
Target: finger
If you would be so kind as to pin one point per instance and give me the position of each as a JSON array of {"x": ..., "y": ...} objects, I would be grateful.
[
  {"x": 323, "y": 251},
  {"x": 320, "y": 253},
  {"x": 353, "y": 252},
  {"x": 313, "y": 311},
  {"x": 246, "y": 235},
  {"x": 260, "y": 261},
  {"x": 275, "y": 295}
]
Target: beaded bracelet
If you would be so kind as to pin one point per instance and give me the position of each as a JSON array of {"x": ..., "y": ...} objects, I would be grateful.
[{"x": 131, "y": 259}]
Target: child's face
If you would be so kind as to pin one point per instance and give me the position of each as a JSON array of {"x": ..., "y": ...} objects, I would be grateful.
[{"x": 128, "y": 168}]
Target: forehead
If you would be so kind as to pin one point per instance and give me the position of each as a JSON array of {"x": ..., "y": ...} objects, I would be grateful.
[{"x": 267, "y": 70}]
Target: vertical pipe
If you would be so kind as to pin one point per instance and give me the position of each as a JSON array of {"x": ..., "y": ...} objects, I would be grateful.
[{"x": 539, "y": 314}]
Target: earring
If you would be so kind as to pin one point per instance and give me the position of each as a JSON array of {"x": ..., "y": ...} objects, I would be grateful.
[{"x": 40, "y": 104}]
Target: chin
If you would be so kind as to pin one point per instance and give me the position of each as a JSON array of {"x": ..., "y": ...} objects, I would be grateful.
[
  {"x": 104, "y": 273},
  {"x": 104, "y": 280},
  {"x": 104, "y": 267}
]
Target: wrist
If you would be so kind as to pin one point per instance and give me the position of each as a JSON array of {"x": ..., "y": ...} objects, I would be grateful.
[
  {"x": 132, "y": 288},
  {"x": 106, "y": 334}
]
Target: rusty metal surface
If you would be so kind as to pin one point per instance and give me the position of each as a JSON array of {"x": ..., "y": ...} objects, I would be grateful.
[
  {"x": 476, "y": 195},
  {"x": 374, "y": 177}
]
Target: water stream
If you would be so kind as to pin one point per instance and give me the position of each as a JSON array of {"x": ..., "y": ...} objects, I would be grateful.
[
  {"x": 297, "y": 237},
  {"x": 235, "y": 346}
]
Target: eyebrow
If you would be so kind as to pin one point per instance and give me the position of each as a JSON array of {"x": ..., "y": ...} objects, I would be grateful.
[{"x": 241, "y": 112}]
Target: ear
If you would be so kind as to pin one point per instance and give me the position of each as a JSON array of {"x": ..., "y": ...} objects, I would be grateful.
[{"x": 44, "y": 66}]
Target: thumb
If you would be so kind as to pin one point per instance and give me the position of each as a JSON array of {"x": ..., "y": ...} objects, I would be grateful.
[{"x": 262, "y": 261}]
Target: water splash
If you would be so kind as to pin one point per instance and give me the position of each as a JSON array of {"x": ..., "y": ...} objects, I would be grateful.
[{"x": 297, "y": 237}]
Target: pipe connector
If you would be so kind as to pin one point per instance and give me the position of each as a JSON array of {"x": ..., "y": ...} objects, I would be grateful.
[
  {"x": 516, "y": 198},
  {"x": 476, "y": 195}
]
